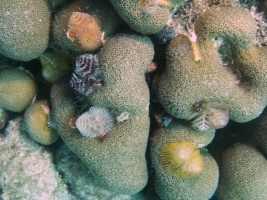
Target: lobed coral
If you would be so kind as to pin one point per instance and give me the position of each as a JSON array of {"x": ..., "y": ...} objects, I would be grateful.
[
  {"x": 123, "y": 62},
  {"x": 118, "y": 161},
  {"x": 186, "y": 82},
  {"x": 82, "y": 182}
]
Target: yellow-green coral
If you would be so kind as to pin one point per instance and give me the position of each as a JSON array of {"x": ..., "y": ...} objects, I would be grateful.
[
  {"x": 37, "y": 121},
  {"x": 117, "y": 162},
  {"x": 17, "y": 89}
]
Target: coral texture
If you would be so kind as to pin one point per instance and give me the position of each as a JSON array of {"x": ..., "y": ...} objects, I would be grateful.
[
  {"x": 123, "y": 62},
  {"x": 258, "y": 129},
  {"x": 141, "y": 16},
  {"x": 25, "y": 28},
  {"x": 118, "y": 161},
  {"x": 81, "y": 182},
  {"x": 236, "y": 78},
  {"x": 242, "y": 174}
]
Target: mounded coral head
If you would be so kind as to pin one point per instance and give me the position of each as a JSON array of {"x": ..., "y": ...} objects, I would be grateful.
[
  {"x": 182, "y": 169},
  {"x": 96, "y": 122},
  {"x": 17, "y": 89},
  {"x": 37, "y": 122},
  {"x": 242, "y": 174},
  {"x": 25, "y": 28},
  {"x": 186, "y": 82}
]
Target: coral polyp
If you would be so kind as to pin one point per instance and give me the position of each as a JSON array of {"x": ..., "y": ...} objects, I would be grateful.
[
  {"x": 96, "y": 122},
  {"x": 181, "y": 159},
  {"x": 87, "y": 75},
  {"x": 84, "y": 30}
]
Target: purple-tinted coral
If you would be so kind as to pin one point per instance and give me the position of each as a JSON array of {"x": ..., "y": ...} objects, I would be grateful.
[{"x": 86, "y": 75}]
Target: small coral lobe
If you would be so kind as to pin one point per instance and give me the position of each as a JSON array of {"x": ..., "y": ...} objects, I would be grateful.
[{"x": 38, "y": 125}]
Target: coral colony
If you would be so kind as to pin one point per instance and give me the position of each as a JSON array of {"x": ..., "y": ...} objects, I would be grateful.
[{"x": 139, "y": 99}]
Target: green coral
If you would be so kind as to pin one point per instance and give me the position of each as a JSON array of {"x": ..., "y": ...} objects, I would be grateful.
[
  {"x": 118, "y": 161},
  {"x": 242, "y": 174},
  {"x": 24, "y": 30},
  {"x": 37, "y": 123},
  {"x": 123, "y": 63},
  {"x": 171, "y": 187},
  {"x": 133, "y": 14},
  {"x": 232, "y": 23},
  {"x": 80, "y": 180},
  {"x": 17, "y": 89},
  {"x": 196, "y": 72}
]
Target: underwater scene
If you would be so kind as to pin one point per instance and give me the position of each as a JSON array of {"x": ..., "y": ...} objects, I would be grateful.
[{"x": 133, "y": 99}]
